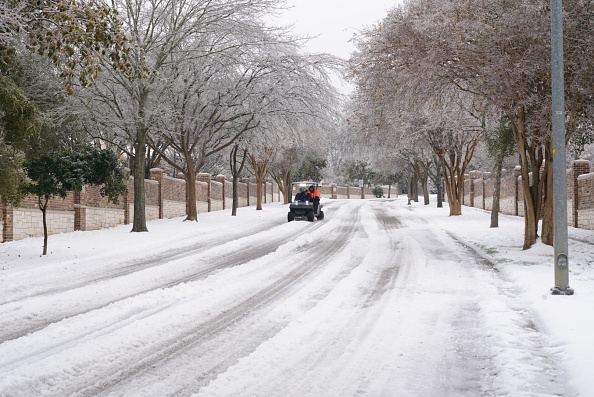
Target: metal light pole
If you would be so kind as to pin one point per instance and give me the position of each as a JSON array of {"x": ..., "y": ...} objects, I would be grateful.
[{"x": 558, "y": 153}]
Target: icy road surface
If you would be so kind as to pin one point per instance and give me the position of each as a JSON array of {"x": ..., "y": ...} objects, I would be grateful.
[{"x": 372, "y": 301}]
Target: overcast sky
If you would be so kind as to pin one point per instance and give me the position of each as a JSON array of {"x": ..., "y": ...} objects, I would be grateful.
[{"x": 335, "y": 21}]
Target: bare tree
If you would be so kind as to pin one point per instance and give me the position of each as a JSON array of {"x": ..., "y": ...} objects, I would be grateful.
[
  {"x": 161, "y": 35},
  {"x": 497, "y": 51}
]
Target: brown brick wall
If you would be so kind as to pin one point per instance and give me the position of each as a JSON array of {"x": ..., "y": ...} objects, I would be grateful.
[
  {"x": 228, "y": 189},
  {"x": 586, "y": 191},
  {"x": 579, "y": 188},
  {"x": 54, "y": 204},
  {"x": 91, "y": 197},
  {"x": 174, "y": 189},
  {"x": 216, "y": 191},
  {"x": 325, "y": 191},
  {"x": 242, "y": 189}
]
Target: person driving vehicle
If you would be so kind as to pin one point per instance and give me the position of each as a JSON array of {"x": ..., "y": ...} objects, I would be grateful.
[{"x": 313, "y": 195}]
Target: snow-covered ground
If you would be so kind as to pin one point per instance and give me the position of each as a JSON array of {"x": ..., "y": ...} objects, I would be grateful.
[{"x": 380, "y": 298}]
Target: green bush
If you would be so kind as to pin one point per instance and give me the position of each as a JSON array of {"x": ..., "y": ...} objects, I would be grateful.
[{"x": 378, "y": 192}]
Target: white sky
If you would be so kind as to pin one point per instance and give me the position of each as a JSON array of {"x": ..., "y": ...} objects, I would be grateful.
[{"x": 335, "y": 21}]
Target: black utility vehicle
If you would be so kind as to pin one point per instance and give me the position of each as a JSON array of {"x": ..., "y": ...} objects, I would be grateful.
[{"x": 301, "y": 208}]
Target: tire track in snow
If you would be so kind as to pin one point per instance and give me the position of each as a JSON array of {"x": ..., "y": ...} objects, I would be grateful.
[
  {"x": 250, "y": 307},
  {"x": 544, "y": 374},
  {"x": 179, "y": 343},
  {"x": 8, "y": 312},
  {"x": 349, "y": 328},
  {"x": 136, "y": 265}
]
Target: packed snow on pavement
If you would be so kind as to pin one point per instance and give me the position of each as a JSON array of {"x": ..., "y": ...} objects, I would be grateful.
[{"x": 380, "y": 298}]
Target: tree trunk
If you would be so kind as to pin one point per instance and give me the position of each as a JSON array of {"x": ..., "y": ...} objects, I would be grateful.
[
  {"x": 531, "y": 158},
  {"x": 422, "y": 172},
  {"x": 439, "y": 184},
  {"x": 235, "y": 203},
  {"x": 496, "y": 195},
  {"x": 191, "y": 210},
  {"x": 547, "y": 228},
  {"x": 260, "y": 167},
  {"x": 454, "y": 196},
  {"x": 425, "y": 185},
  {"x": 283, "y": 180},
  {"x": 414, "y": 187},
  {"x": 259, "y": 191},
  {"x": 43, "y": 208},
  {"x": 235, "y": 172},
  {"x": 139, "y": 220},
  {"x": 287, "y": 192},
  {"x": 259, "y": 163},
  {"x": 454, "y": 189}
]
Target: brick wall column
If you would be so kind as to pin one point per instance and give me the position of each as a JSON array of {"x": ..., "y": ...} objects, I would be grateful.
[
  {"x": 221, "y": 179},
  {"x": 156, "y": 174},
  {"x": 79, "y": 213},
  {"x": 579, "y": 167},
  {"x": 8, "y": 221},
  {"x": 471, "y": 177},
  {"x": 333, "y": 191},
  {"x": 205, "y": 177},
  {"x": 517, "y": 172},
  {"x": 247, "y": 185},
  {"x": 486, "y": 175}
]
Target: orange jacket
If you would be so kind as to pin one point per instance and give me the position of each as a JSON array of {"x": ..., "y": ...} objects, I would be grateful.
[{"x": 312, "y": 195}]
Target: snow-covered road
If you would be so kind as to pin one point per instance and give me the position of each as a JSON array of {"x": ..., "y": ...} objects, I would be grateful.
[{"x": 374, "y": 300}]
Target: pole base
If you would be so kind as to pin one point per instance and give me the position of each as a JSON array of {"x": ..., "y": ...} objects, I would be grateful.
[{"x": 558, "y": 291}]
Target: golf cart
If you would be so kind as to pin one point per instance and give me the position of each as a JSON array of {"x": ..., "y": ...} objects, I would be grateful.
[{"x": 301, "y": 208}]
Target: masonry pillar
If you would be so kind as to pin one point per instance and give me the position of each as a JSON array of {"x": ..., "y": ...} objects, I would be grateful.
[
  {"x": 205, "y": 177},
  {"x": 221, "y": 180},
  {"x": 80, "y": 213},
  {"x": 579, "y": 167},
  {"x": 517, "y": 173},
  {"x": 333, "y": 193},
  {"x": 247, "y": 185},
  {"x": 486, "y": 175},
  {"x": 156, "y": 174},
  {"x": 473, "y": 176},
  {"x": 8, "y": 222}
]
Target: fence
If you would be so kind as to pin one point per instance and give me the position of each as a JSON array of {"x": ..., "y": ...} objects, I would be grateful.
[
  {"x": 165, "y": 197},
  {"x": 479, "y": 187}
]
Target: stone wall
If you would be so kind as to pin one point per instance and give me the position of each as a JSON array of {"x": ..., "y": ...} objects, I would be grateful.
[
  {"x": 585, "y": 208},
  {"x": 165, "y": 197},
  {"x": 29, "y": 223},
  {"x": 579, "y": 188}
]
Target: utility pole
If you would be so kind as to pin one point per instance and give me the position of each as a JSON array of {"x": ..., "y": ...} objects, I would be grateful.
[{"x": 558, "y": 154}]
